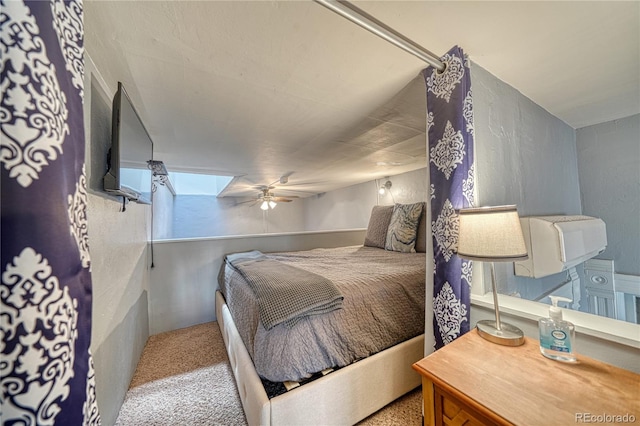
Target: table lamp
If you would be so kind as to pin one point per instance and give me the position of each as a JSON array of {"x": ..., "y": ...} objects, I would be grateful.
[{"x": 493, "y": 234}]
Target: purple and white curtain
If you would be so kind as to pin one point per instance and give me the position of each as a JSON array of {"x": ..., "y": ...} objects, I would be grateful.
[
  {"x": 450, "y": 129},
  {"x": 46, "y": 368}
]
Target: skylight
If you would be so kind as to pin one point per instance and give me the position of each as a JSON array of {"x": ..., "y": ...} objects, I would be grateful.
[{"x": 198, "y": 184}]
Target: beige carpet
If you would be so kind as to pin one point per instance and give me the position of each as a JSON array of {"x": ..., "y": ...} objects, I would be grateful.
[{"x": 184, "y": 378}]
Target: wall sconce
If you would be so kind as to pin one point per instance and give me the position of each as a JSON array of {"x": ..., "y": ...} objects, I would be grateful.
[
  {"x": 385, "y": 187},
  {"x": 160, "y": 175},
  {"x": 157, "y": 168}
]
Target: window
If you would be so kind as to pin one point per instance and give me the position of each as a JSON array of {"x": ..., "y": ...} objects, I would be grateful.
[{"x": 198, "y": 184}]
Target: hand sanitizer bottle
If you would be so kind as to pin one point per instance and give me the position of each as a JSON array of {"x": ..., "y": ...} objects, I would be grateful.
[{"x": 557, "y": 337}]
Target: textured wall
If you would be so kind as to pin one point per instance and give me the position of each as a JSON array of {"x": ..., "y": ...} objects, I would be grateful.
[
  {"x": 119, "y": 262},
  {"x": 163, "y": 201},
  {"x": 196, "y": 216},
  {"x": 208, "y": 216},
  {"x": 524, "y": 156},
  {"x": 350, "y": 207},
  {"x": 609, "y": 167}
]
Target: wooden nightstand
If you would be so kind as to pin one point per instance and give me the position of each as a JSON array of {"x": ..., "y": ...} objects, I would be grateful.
[{"x": 475, "y": 382}]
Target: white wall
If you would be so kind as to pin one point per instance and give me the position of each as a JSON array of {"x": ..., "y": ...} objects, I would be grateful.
[
  {"x": 207, "y": 216},
  {"x": 119, "y": 261},
  {"x": 350, "y": 207}
]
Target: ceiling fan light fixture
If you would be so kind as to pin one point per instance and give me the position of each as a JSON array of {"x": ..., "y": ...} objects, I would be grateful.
[{"x": 268, "y": 200}]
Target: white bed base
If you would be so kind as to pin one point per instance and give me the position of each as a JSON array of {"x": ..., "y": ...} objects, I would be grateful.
[{"x": 343, "y": 397}]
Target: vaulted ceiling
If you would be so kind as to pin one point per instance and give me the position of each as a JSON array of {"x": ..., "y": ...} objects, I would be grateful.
[{"x": 261, "y": 89}]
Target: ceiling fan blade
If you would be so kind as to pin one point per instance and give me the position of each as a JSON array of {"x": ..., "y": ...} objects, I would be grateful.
[
  {"x": 281, "y": 200},
  {"x": 247, "y": 201}
]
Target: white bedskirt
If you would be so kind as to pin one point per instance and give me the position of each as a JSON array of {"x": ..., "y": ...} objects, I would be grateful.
[{"x": 343, "y": 397}]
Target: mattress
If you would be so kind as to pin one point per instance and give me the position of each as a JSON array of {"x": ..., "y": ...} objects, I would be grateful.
[{"x": 384, "y": 298}]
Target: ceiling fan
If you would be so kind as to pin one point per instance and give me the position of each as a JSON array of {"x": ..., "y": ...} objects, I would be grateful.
[{"x": 268, "y": 200}]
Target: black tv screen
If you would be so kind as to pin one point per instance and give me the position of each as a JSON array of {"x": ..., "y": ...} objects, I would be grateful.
[{"x": 131, "y": 151}]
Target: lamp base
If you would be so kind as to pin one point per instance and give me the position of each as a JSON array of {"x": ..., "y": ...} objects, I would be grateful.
[{"x": 508, "y": 335}]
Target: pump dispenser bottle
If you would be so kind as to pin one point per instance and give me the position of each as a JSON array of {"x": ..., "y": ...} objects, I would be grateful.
[{"x": 557, "y": 337}]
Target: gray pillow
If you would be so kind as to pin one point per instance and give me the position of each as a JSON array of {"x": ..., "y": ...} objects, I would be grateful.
[
  {"x": 377, "y": 229},
  {"x": 403, "y": 227},
  {"x": 421, "y": 237}
]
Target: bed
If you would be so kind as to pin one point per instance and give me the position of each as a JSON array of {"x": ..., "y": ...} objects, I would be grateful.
[{"x": 334, "y": 367}]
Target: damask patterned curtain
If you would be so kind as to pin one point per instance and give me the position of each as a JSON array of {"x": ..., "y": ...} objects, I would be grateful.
[
  {"x": 46, "y": 368},
  {"x": 450, "y": 129}
]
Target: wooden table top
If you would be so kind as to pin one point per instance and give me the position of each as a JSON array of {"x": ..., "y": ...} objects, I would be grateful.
[{"x": 522, "y": 386}]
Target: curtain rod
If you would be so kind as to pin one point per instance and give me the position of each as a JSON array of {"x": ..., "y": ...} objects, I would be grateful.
[{"x": 368, "y": 22}]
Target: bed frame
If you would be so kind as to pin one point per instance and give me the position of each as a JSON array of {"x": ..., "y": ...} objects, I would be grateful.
[{"x": 345, "y": 396}]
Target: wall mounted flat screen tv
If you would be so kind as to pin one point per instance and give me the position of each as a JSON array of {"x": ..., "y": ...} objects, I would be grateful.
[{"x": 129, "y": 174}]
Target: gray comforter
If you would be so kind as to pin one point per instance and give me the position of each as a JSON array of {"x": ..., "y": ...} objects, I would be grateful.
[
  {"x": 384, "y": 298},
  {"x": 284, "y": 293}
]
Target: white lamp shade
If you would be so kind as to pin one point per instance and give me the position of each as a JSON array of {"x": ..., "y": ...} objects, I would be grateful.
[
  {"x": 491, "y": 234},
  {"x": 264, "y": 205}
]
